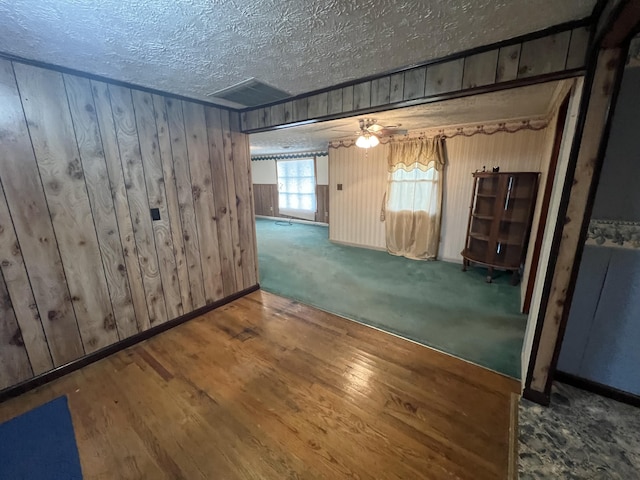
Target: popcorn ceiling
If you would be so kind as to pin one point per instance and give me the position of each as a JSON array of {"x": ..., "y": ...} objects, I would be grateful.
[{"x": 195, "y": 47}]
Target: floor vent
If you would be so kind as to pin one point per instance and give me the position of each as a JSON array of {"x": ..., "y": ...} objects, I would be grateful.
[{"x": 251, "y": 93}]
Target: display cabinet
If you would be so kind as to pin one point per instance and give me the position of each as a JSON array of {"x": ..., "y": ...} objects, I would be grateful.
[{"x": 500, "y": 219}]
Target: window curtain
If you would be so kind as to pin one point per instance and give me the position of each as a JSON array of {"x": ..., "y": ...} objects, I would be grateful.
[{"x": 413, "y": 203}]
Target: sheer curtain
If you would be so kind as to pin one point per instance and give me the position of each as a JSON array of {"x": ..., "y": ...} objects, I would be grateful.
[{"x": 413, "y": 205}]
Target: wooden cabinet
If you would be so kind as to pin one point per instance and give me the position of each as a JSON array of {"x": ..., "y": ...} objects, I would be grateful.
[{"x": 500, "y": 218}]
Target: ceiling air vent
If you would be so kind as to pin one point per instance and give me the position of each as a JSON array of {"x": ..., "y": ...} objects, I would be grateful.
[{"x": 250, "y": 93}]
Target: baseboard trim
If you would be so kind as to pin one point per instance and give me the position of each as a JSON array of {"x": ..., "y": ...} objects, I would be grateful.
[
  {"x": 292, "y": 220},
  {"x": 358, "y": 245},
  {"x": 514, "y": 436},
  {"x": 74, "y": 365},
  {"x": 598, "y": 388},
  {"x": 540, "y": 398}
]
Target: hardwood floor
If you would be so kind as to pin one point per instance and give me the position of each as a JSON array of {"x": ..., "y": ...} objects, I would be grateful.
[{"x": 266, "y": 388}]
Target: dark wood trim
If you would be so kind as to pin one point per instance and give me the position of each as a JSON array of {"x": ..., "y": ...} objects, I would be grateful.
[
  {"x": 595, "y": 179},
  {"x": 62, "y": 370},
  {"x": 564, "y": 202},
  {"x": 561, "y": 27},
  {"x": 624, "y": 25},
  {"x": 546, "y": 201},
  {"x": 518, "y": 82},
  {"x": 608, "y": 15},
  {"x": 597, "y": 388},
  {"x": 537, "y": 397},
  {"x": 100, "y": 78}
]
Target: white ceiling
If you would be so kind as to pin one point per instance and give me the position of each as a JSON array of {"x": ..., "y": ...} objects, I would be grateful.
[
  {"x": 195, "y": 47},
  {"x": 531, "y": 102}
]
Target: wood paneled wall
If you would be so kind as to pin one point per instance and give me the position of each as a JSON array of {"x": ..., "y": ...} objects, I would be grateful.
[
  {"x": 322, "y": 203},
  {"x": 266, "y": 199},
  {"x": 82, "y": 263},
  {"x": 489, "y": 68}
]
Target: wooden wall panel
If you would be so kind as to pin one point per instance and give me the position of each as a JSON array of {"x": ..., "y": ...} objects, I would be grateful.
[
  {"x": 203, "y": 199},
  {"x": 531, "y": 59},
  {"x": 347, "y": 99},
  {"x": 227, "y": 142},
  {"x": 32, "y": 223},
  {"x": 362, "y": 95},
  {"x": 265, "y": 197},
  {"x": 20, "y": 293},
  {"x": 444, "y": 77},
  {"x": 82, "y": 264},
  {"x": 508, "y": 59},
  {"x": 480, "y": 69},
  {"x": 85, "y": 123},
  {"x": 13, "y": 355},
  {"x": 244, "y": 200},
  {"x": 334, "y": 101},
  {"x": 171, "y": 192},
  {"x": 131, "y": 266},
  {"x": 544, "y": 55},
  {"x": 135, "y": 185},
  {"x": 221, "y": 198},
  {"x": 414, "y": 83},
  {"x": 318, "y": 105},
  {"x": 396, "y": 88},
  {"x": 185, "y": 200},
  {"x": 322, "y": 202},
  {"x": 156, "y": 196},
  {"x": 47, "y": 113}
]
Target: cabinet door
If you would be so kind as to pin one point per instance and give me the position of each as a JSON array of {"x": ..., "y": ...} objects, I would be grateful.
[
  {"x": 482, "y": 218},
  {"x": 514, "y": 215}
]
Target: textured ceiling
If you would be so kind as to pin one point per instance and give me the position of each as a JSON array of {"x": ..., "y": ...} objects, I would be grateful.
[
  {"x": 518, "y": 103},
  {"x": 195, "y": 47}
]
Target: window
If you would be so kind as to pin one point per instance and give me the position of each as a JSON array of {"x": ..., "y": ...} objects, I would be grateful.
[
  {"x": 416, "y": 190},
  {"x": 297, "y": 188}
]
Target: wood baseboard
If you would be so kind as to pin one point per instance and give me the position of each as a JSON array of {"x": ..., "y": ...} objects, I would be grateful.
[
  {"x": 540, "y": 398},
  {"x": 514, "y": 433},
  {"x": 598, "y": 388},
  {"x": 62, "y": 370}
]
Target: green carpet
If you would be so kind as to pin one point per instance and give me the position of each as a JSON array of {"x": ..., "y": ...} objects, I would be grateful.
[{"x": 433, "y": 303}]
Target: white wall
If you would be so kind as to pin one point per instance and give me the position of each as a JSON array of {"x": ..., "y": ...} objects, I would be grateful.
[
  {"x": 547, "y": 150},
  {"x": 322, "y": 170},
  {"x": 264, "y": 171},
  {"x": 547, "y": 239},
  {"x": 355, "y": 211},
  {"x": 512, "y": 152}
]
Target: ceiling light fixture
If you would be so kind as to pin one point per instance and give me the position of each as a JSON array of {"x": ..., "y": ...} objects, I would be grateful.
[{"x": 367, "y": 141}]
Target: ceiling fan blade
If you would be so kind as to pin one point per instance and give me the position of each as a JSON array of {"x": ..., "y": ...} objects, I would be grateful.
[
  {"x": 375, "y": 128},
  {"x": 392, "y": 131}
]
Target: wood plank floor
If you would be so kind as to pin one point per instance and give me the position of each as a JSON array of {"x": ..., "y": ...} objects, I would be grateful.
[{"x": 266, "y": 388}]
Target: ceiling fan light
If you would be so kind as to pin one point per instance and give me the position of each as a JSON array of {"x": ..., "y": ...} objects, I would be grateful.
[
  {"x": 373, "y": 141},
  {"x": 363, "y": 142}
]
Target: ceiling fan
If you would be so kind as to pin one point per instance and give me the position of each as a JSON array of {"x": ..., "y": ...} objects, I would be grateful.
[{"x": 371, "y": 131}]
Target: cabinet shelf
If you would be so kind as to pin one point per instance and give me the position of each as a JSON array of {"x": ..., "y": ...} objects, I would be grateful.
[
  {"x": 479, "y": 236},
  {"x": 500, "y": 219}
]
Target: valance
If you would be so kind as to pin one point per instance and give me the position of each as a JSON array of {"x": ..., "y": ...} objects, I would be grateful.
[{"x": 422, "y": 153}]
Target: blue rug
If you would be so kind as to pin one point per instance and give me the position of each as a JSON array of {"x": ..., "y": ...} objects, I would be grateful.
[{"x": 40, "y": 444}]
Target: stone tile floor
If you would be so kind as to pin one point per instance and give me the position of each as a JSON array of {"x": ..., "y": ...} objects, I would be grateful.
[{"x": 581, "y": 435}]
